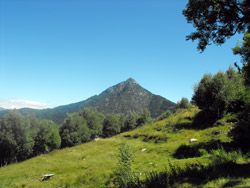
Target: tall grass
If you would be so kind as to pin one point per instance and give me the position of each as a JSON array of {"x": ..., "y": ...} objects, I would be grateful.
[{"x": 220, "y": 157}]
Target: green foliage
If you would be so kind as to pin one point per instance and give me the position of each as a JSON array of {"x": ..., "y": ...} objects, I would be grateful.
[
  {"x": 241, "y": 131},
  {"x": 243, "y": 50},
  {"x": 111, "y": 125},
  {"x": 74, "y": 131},
  {"x": 47, "y": 137},
  {"x": 124, "y": 176},
  {"x": 94, "y": 121},
  {"x": 22, "y": 137},
  {"x": 130, "y": 122},
  {"x": 124, "y": 98},
  {"x": 183, "y": 104},
  {"x": 216, "y": 20},
  {"x": 217, "y": 94},
  {"x": 91, "y": 164},
  {"x": 222, "y": 158},
  {"x": 144, "y": 118},
  {"x": 157, "y": 179},
  {"x": 164, "y": 115},
  {"x": 15, "y": 141}
]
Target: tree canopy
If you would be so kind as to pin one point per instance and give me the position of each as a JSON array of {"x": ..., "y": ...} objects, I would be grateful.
[
  {"x": 243, "y": 49},
  {"x": 219, "y": 93},
  {"x": 217, "y": 20}
]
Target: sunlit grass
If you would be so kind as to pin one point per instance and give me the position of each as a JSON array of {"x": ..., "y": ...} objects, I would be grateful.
[{"x": 91, "y": 164}]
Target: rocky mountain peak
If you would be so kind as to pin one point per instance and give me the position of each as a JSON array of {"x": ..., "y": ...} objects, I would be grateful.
[{"x": 131, "y": 80}]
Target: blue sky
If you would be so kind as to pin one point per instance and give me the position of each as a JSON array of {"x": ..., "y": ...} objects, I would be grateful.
[{"x": 59, "y": 52}]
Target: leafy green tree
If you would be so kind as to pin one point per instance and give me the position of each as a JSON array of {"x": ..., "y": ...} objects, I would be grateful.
[
  {"x": 47, "y": 137},
  {"x": 94, "y": 121},
  {"x": 74, "y": 131},
  {"x": 121, "y": 121},
  {"x": 15, "y": 141},
  {"x": 111, "y": 125},
  {"x": 202, "y": 96},
  {"x": 241, "y": 132},
  {"x": 144, "y": 118},
  {"x": 216, "y": 93},
  {"x": 217, "y": 20},
  {"x": 243, "y": 49},
  {"x": 183, "y": 104},
  {"x": 130, "y": 122}
]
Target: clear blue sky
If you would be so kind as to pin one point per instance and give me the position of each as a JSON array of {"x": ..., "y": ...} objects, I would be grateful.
[{"x": 59, "y": 52}]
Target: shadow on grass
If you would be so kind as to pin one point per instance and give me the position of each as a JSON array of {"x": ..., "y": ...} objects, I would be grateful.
[
  {"x": 230, "y": 171},
  {"x": 231, "y": 183},
  {"x": 199, "y": 175},
  {"x": 202, "y": 120},
  {"x": 197, "y": 150}
]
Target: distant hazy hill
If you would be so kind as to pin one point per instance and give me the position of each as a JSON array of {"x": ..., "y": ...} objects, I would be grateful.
[
  {"x": 1, "y": 109},
  {"x": 125, "y": 97}
]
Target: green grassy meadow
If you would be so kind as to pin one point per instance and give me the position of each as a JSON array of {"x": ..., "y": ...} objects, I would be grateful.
[{"x": 91, "y": 164}]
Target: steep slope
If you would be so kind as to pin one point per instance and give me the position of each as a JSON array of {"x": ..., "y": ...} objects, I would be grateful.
[
  {"x": 129, "y": 96},
  {"x": 125, "y": 97},
  {"x": 91, "y": 164}
]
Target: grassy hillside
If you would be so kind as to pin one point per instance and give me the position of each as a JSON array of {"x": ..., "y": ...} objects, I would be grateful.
[{"x": 91, "y": 164}]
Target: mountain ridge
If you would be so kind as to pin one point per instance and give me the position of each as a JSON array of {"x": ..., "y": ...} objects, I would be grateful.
[
  {"x": 125, "y": 97},
  {"x": 1, "y": 109}
]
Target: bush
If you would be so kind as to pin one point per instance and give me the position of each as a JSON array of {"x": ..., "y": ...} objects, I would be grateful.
[
  {"x": 221, "y": 158},
  {"x": 217, "y": 94},
  {"x": 124, "y": 177},
  {"x": 241, "y": 132},
  {"x": 164, "y": 115},
  {"x": 183, "y": 104}
]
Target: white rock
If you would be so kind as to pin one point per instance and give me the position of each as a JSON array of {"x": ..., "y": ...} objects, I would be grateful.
[
  {"x": 192, "y": 140},
  {"x": 96, "y": 139}
]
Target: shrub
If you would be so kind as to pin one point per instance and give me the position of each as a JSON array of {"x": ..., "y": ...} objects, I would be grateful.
[
  {"x": 124, "y": 177},
  {"x": 221, "y": 158},
  {"x": 164, "y": 115},
  {"x": 217, "y": 94},
  {"x": 183, "y": 104}
]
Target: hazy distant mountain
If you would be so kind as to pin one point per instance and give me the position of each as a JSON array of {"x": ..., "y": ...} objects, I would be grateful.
[
  {"x": 2, "y": 109},
  {"x": 125, "y": 97}
]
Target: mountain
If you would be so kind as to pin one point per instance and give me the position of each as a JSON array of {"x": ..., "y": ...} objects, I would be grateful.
[
  {"x": 1, "y": 109},
  {"x": 125, "y": 97}
]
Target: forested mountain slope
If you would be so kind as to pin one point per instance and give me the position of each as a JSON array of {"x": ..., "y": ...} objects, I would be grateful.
[{"x": 125, "y": 97}]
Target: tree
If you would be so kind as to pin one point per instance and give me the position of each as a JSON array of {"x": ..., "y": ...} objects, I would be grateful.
[
  {"x": 74, "y": 131},
  {"x": 243, "y": 49},
  {"x": 47, "y": 137},
  {"x": 217, "y": 20},
  {"x": 143, "y": 118},
  {"x": 94, "y": 121},
  {"x": 130, "y": 122},
  {"x": 202, "y": 95},
  {"x": 183, "y": 104},
  {"x": 111, "y": 125},
  {"x": 16, "y": 142},
  {"x": 215, "y": 94}
]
